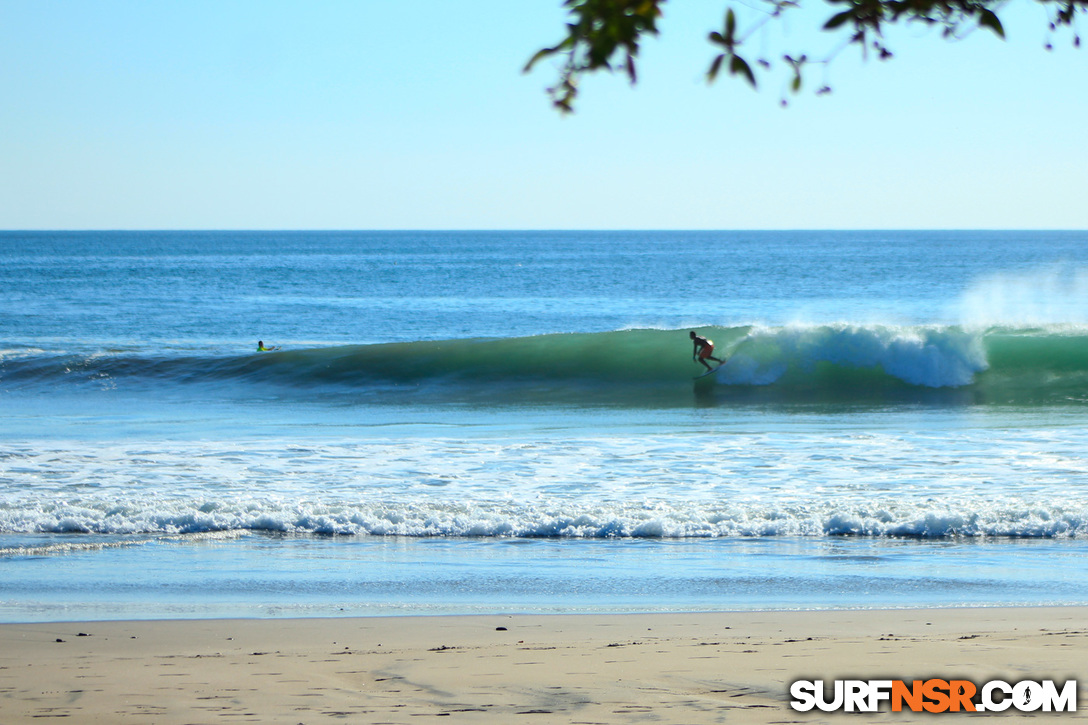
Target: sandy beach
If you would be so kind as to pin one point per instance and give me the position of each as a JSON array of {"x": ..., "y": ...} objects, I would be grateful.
[{"x": 669, "y": 668}]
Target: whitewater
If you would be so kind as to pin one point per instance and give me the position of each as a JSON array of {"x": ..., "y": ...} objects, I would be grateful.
[{"x": 509, "y": 421}]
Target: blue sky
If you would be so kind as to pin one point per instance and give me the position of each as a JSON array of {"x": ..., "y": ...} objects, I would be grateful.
[{"x": 258, "y": 114}]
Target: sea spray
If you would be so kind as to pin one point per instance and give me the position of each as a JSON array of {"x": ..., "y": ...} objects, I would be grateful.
[{"x": 1045, "y": 296}]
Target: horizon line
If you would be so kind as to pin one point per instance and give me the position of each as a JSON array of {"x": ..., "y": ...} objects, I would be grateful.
[{"x": 532, "y": 229}]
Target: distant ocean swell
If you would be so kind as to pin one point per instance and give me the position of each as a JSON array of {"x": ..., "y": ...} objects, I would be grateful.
[
  {"x": 659, "y": 519},
  {"x": 832, "y": 362}
]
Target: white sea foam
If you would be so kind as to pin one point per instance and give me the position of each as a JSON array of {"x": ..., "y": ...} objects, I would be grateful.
[
  {"x": 981, "y": 483},
  {"x": 887, "y": 517},
  {"x": 931, "y": 356}
]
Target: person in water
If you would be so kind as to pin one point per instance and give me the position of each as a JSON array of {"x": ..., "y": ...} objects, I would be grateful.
[
  {"x": 703, "y": 350},
  {"x": 262, "y": 348}
]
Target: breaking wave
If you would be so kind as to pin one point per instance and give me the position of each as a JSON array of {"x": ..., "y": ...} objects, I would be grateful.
[
  {"x": 659, "y": 519},
  {"x": 837, "y": 362}
]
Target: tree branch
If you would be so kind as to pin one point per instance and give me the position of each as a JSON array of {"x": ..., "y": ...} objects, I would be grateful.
[{"x": 602, "y": 34}]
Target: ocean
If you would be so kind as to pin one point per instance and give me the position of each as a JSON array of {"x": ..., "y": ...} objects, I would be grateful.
[{"x": 498, "y": 422}]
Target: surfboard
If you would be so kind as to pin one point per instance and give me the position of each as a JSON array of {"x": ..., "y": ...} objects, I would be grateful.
[{"x": 708, "y": 372}]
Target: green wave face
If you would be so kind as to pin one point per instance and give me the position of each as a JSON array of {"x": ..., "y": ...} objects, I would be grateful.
[{"x": 841, "y": 363}]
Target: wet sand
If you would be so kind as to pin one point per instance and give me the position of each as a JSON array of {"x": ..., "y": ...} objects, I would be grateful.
[{"x": 666, "y": 668}]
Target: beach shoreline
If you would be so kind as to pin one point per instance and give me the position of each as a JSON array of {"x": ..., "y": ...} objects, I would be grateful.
[{"x": 577, "y": 668}]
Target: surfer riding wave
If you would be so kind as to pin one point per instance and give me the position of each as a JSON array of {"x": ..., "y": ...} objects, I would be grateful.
[{"x": 703, "y": 350}]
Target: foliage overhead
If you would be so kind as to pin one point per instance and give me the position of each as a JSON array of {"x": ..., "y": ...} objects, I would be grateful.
[{"x": 606, "y": 34}]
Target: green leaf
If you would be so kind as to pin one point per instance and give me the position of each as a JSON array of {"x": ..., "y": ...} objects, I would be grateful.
[
  {"x": 987, "y": 19},
  {"x": 730, "y": 25},
  {"x": 540, "y": 54},
  {"x": 838, "y": 20},
  {"x": 715, "y": 67},
  {"x": 739, "y": 65}
]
